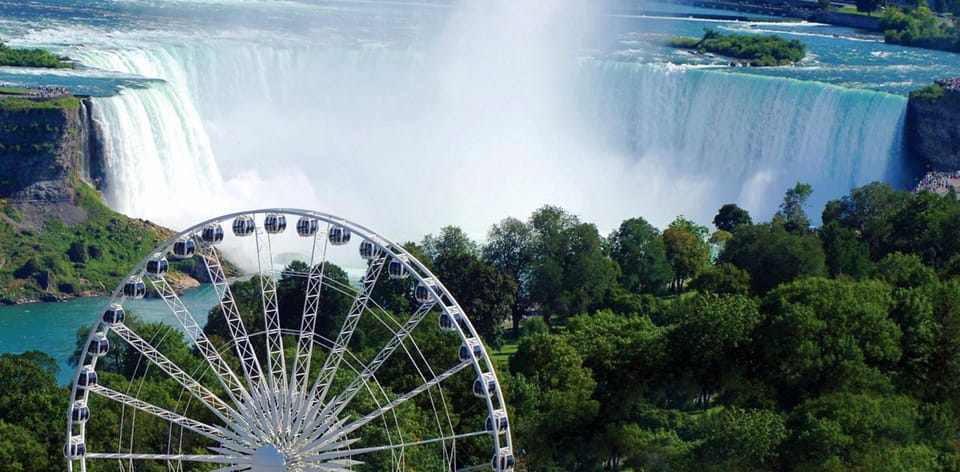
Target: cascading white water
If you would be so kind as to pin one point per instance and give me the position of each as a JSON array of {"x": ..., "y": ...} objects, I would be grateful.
[
  {"x": 481, "y": 124},
  {"x": 747, "y": 137},
  {"x": 157, "y": 156}
]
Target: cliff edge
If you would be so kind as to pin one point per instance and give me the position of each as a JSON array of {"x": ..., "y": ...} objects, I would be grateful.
[
  {"x": 57, "y": 237},
  {"x": 932, "y": 128},
  {"x": 48, "y": 148}
]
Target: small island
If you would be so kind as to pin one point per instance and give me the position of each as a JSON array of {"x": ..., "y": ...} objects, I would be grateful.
[
  {"x": 756, "y": 50},
  {"x": 16, "y": 57}
]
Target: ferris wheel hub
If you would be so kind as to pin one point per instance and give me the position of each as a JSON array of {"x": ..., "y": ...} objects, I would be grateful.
[{"x": 268, "y": 458}]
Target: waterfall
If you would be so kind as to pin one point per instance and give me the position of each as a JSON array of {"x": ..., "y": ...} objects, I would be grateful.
[
  {"x": 385, "y": 133},
  {"x": 157, "y": 156},
  {"x": 748, "y": 137}
]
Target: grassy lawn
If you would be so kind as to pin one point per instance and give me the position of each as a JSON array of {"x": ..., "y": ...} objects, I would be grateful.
[
  {"x": 13, "y": 91},
  {"x": 17, "y": 104},
  {"x": 501, "y": 357}
]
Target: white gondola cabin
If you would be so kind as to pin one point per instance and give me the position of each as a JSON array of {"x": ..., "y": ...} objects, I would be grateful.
[
  {"x": 134, "y": 288},
  {"x": 485, "y": 385},
  {"x": 88, "y": 377},
  {"x": 503, "y": 460},
  {"x": 212, "y": 234},
  {"x": 307, "y": 226},
  {"x": 275, "y": 223},
  {"x": 184, "y": 248},
  {"x": 368, "y": 250},
  {"x": 114, "y": 314},
  {"x": 339, "y": 235},
  {"x": 75, "y": 449},
  {"x": 244, "y": 226},
  {"x": 464, "y": 354},
  {"x": 497, "y": 422},
  {"x": 446, "y": 322},
  {"x": 423, "y": 292},
  {"x": 79, "y": 412},
  {"x": 99, "y": 345},
  {"x": 157, "y": 265},
  {"x": 454, "y": 316},
  {"x": 396, "y": 270}
]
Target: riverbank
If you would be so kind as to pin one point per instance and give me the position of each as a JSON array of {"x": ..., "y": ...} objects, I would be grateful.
[{"x": 804, "y": 10}]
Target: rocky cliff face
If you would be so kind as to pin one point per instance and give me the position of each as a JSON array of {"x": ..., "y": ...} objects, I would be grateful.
[
  {"x": 933, "y": 131},
  {"x": 45, "y": 153}
]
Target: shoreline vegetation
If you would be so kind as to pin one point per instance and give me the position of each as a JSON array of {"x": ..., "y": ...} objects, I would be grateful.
[
  {"x": 17, "y": 57},
  {"x": 755, "y": 50},
  {"x": 919, "y": 27}
]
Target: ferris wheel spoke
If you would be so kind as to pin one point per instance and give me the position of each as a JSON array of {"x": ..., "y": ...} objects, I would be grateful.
[
  {"x": 232, "y": 468},
  {"x": 334, "y": 434},
  {"x": 333, "y": 455},
  {"x": 248, "y": 357},
  {"x": 215, "y": 459},
  {"x": 344, "y": 398},
  {"x": 339, "y": 466},
  {"x": 272, "y": 387},
  {"x": 313, "y": 430},
  {"x": 276, "y": 363},
  {"x": 225, "y": 438},
  {"x": 330, "y": 365},
  {"x": 238, "y": 394},
  {"x": 308, "y": 323},
  {"x": 206, "y": 398}
]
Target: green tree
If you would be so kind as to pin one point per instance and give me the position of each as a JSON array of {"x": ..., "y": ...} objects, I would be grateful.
[
  {"x": 660, "y": 450},
  {"x": 451, "y": 241},
  {"x": 744, "y": 440},
  {"x": 554, "y": 411},
  {"x": 710, "y": 338},
  {"x": 31, "y": 402},
  {"x": 904, "y": 271},
  {"x": 332, "y": 304},
  {"x": 773, "y": 256},
  {"x": 928, "y": 225},
  {"x": 791, "y": 210},
  {"x": 821, "y": 336},
  {"x": 510, "y": 248},
  {"x": 637, "y": 247},
  {"x": 730, "y": 216},
  {"x": 722, "y": 279},
  {"x": 485, "y": 294},
  {"x": 570, "y": 274},
  {"x": 868, "y": 211},
  {"x": 686, "y": 249},
  {"x": 21, "y": 452},
  {"x": 840, "y": 430},
  {"x": 626, "y": 355},
  {"x": 844, "y": 252}
]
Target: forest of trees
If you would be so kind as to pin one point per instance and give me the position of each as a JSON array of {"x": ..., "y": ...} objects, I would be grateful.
[
  {"x": 751, "y": 346},
  {"x": 918, "y": 26},
  {"x": 18, "y": 57},
  {"x": 759, "y": 50}
]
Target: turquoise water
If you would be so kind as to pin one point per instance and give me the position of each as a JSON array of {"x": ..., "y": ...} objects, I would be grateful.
[
  {"x": 52, "y": 327},
  {"x": 836, "y": 55}
]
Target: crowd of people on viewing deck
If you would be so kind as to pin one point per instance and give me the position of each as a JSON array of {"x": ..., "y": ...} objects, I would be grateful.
[
  {"x": 49, "y": 92},
  {"x": 41, "y": 91},
  {"x": 950, "y": 84},
  {"x": 940, "y": 182}
]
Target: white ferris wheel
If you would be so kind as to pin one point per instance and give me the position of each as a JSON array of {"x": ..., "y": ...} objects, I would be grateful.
[{"x": 380, "y": 389}]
